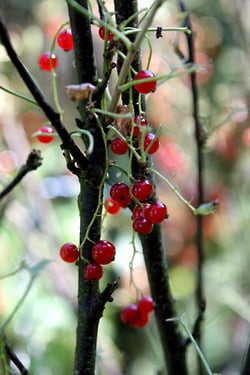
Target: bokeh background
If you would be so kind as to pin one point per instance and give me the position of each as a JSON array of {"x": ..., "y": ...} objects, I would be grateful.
[{"x": 41, "y": 213}]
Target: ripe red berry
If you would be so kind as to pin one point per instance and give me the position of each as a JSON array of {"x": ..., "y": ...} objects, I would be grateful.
[
  {"x": 138, "y": 122},
  {"x": 142, "y": 226},
  {"x": 156, "y": 213},
  {"x": 69, "y": 252},
  {"x": 146, "y": 87},
  {"x": 111, "y": 206},
  {"x": 142, "y": 321},
  {"x": 146, "y": 304},
  {"x": 130, "y": 314},
  {"x": 142, "y": 190},
  {"x": 103, "y": 252},
  {"x": 93, "y": 271},
  {"x": 119, "y": 146},
  {"x": 133, "y": 316},
  {"x": 139, "y": 211},
  {"x": 65, "y": 40},
  {"x": 102, "y": 31},
  {"x": 153, "y": 141},
  {"x": 44, "y": 138},
  {"x": 47, "y": 62},
  {"x": 120, "y": 193}
]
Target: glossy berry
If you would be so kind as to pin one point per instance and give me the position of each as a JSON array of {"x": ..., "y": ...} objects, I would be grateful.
[
  {"x": 119, "y": 146},
  {"x": 133, "y": 316},
  {"x": 47, "y": 62},
  {"x": 44, "y": 138},
  {"x": 69, "y": 252},
  {"x": 139, "y": 211},
  {"x": 146, "y": 304},
  {"x": 111, "y": 206},
  {"x": 65, "y": 40},
  {"x": 138, "y": 122},
  {"x": 153, "y": 141},
  {"x": 142, "y": 190},
  {"x": 102, "y": 30},
  {"x": 93, "y": 271},
  {"x": 142, "y": 226},
  {"x": 103, "y": 252},
  {"x": 146, "y": 87},
  {"x": 142, "y": 321},
  {"x": 156, "y": 213},
  {"x": 120, "y": 193},
  {"x": 130, "y": 314}
]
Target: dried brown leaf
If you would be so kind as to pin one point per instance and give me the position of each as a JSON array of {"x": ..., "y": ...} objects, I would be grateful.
[{"x": 77, "y": 92}]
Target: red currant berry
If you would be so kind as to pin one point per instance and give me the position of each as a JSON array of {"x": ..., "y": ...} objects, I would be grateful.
[
  {"x": 47, "y": 62},
  {"x": 153, "y": 141},
  {"x": 142, "y": 190},
  {"x": 146, "y": 304},
  {"x": 156, "y": 213},
  {"x": 111, "y": 206},
  {"x": 93, "y": 271},
  {"x": 142, "y": 321},
  {"x": 119, "y": 146},
  {"x": 65, "y": 40},
  {"x": 146, "y": 87},
  {"x": 130, "y": 315},
  {"x": 120, "y": 193},
  {"x": 44, "y": 138},
  {"x": 102, "y": 32},
  {"x": 69, "y": 252},
  {"x": 103, "y": 252},
  {"x": 142, "y": 226},
  {"x": 138, "y": 122},
  {"x": 139, "y": 211}
]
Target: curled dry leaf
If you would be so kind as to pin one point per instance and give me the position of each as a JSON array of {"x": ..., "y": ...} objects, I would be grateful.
[{"x": 77, "y": 92}]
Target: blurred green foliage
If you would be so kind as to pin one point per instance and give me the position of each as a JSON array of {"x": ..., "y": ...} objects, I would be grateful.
[{"x": 41, "y": 213}]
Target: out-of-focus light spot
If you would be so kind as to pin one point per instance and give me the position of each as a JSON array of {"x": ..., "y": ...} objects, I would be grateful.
[{"x": 8, "y": 161}]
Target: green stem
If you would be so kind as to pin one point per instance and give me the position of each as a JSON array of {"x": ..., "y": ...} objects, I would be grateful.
[
  {"x": 99, "y": 22},
  {"x": 16, "y": 308},
  {"x": 173, "y": 188},
  {"x": 198, "y": 350},
  {"x": 163, "y": 78},
  {"x": 21, "y": 96},
  {"x": 132, "y": 51},
  {"x": 100, "y": 190}
]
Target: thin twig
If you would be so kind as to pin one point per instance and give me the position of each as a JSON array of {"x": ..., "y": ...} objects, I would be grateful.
[{"x": 33, "y": 161}]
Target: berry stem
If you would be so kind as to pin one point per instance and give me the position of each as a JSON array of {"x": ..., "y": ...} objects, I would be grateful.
[
  {"x": 100, "y": 187},
  {"x": 53, "y": 73},
  {"x": 173, "y": 188},
  {"x": 132, "y": 51},
  {"x": 18, "y": 95}
]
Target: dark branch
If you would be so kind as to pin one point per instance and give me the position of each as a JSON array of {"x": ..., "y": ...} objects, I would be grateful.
[
  {"x": 246, "y": 366},
  {"x": 199, "y": 140},
  {"x": 13, "y": 357},
  {"x": 32, "y": 85},
  {"x": 33, "y": 161}
]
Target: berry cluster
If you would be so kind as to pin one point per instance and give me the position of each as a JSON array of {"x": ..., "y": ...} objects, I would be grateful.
[
  {"x": 144, "y": 214},
  {"x": 137, "y": 315},
  {"x": 103, "y": 252}
]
